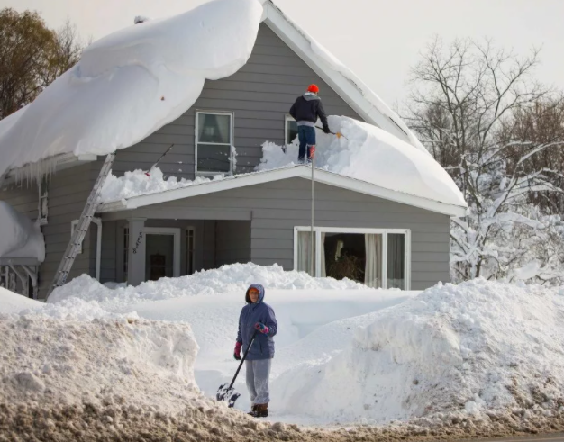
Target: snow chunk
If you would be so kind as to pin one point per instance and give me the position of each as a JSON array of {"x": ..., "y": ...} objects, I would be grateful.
[
  {"x": 227, "y": 279},
  {"x": 141, "y": 183},
  {"x": 468, "y": 348},
  {"x": 19, "y": 236},
  {"x": 131, "y": 83},
  {"x": 373, "y": 155}
]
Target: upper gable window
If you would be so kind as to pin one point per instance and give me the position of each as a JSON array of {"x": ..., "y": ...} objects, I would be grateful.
[
  {"x": 214, "y": 141},
  {"x": 291, "y": 129}
]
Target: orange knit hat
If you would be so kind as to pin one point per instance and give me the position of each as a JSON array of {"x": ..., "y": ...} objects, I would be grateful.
[{"x": 313, "y": 88}]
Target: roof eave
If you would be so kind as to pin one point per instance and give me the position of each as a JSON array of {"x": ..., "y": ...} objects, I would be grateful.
[{"x": 321, "y": 176}]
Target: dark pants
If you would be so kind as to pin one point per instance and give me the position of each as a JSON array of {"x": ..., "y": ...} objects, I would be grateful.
[{"x": 306, "y": 136}]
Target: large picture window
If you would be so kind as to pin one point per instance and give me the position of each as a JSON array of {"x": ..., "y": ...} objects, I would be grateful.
[
  {"x": 376, "y": 257},
  {"x": 214, "y": 141}
]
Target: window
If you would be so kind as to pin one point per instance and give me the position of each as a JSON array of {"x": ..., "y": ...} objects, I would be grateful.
[
  {"x": 375, "y": 257},
  {"x": 291, "y": 129},
  {"x": 214, "y": 140}
]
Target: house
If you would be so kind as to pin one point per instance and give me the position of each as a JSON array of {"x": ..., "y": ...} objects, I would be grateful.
[{"x": 389, "y": 238}]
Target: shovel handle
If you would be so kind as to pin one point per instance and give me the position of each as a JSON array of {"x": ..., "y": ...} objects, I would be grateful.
[{"x": 243, "y": 358}]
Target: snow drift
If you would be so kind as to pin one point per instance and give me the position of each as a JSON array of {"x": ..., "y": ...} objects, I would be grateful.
[
  {"x": 133, "y": 82},
  {"x": 469, "y": 348},
  {"x": 234, "y": 278},
  {"x": 19, "y": 236},
  {"x": 368, "y": 153}
]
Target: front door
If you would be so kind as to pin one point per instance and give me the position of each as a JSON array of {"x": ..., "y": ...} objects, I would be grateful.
[{"x": 161, "y": 255}]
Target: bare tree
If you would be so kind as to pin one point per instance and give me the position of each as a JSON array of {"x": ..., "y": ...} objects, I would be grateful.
[{"x": 469, "y": 102}]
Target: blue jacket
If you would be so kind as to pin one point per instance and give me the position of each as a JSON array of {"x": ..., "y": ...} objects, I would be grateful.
[{"x": 263, "y": 345}]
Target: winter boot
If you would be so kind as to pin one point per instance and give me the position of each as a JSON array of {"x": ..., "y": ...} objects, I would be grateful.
[
  {"x": 253, "y": 410},
  {"x": 261, "y": 410}
]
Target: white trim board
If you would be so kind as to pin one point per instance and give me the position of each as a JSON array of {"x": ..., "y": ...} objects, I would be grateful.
[{"x": 321, "y": 176}]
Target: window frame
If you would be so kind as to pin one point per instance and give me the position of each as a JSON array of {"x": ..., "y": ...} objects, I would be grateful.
[
  {"x": 196, "y": 142},
  {"x": 287, "y": 119},
  {"x": 359, "y": 230}
]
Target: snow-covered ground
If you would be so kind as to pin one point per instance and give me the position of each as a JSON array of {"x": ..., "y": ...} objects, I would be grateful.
[{"x": 345, "y": 353}]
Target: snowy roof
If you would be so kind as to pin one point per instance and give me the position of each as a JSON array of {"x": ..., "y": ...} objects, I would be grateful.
[
  {"x": 321, "y": 176},
  {"x": 131, "y": 83}
]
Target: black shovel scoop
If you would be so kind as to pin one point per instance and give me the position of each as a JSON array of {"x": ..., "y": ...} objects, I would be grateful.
[{"x": 226, "y": 391}]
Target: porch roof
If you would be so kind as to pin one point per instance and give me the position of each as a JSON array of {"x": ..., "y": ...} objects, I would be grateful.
[{"x": 256, "y": 178}]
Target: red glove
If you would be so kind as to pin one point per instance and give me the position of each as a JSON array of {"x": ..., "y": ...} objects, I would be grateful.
[
  {"x": 261, "y": 328},
  {"x": 237, "y": 351}
]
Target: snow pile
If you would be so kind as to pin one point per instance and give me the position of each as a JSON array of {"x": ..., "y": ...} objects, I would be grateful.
[
  {"x": 460, "y": 349},
  {"x": 19, "y": 236},
  {"x": 140, "y": 183},
  {"x": 11, "y": 302},
  {"x": 131, "y": 83},
  {"x": 368, "y": 153},
  {"x": 227, "y": 279},
  {"x": 99, "y": 362}
]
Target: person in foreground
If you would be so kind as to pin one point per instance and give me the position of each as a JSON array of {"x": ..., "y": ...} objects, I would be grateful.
[{"x": 257, "y": 317}]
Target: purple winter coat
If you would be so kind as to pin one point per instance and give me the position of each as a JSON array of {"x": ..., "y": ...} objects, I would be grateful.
[{"x": 263, "y": 345}]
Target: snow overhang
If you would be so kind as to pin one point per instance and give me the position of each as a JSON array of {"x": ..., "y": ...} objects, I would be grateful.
[{"x": 321, "y": 176}]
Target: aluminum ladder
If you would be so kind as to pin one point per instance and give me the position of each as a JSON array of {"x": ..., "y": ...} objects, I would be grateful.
[{"x": 84, "y": 221}]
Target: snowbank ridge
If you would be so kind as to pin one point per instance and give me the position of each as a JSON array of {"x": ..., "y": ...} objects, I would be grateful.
[
  {"x": 472, "y": 348},
  {"x": 233, "y": 278}
]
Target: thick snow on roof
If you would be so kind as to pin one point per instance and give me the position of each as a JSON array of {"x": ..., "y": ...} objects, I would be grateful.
[
  {"x": 133, "y": 82},
  {"x": 368, "y": 153},
  {"x": 19, "y": 236}
]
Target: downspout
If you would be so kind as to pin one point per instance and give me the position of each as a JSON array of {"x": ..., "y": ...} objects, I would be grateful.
[{"x": 98, "y": 222}]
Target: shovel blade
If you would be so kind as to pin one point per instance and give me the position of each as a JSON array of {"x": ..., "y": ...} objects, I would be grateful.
[{"x": 228, "y": 394}]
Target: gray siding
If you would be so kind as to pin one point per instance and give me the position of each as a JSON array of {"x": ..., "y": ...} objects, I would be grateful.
[
  {"x": 23, "y": 197},
  {"x": 233, "y": 242},
  {"x": 276, "y": 208},
  {"x": 68, "y": 191},
  {"x": 259, "y": 95}
]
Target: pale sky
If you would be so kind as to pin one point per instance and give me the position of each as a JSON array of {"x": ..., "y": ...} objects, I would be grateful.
[{"x": 379, "y": 40}]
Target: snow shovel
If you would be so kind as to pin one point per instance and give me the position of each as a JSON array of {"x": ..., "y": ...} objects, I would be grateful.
[
  {"x": 339, "y": 135},
  {"x": 226, "y": 391}
]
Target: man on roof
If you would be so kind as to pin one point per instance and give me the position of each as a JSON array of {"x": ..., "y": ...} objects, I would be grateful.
[{"x": 305, "y": 111}]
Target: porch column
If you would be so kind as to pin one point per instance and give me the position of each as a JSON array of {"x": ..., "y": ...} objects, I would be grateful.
[{"x": 136, "y": 252}]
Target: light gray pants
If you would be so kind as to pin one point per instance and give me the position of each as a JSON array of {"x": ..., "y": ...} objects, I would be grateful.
[{"x": 257, "y": 380}]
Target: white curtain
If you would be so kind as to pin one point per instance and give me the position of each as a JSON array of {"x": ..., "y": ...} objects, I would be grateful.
[
  {"x": 304, "y": 254},
  {"x": 396, "y": 260},
  {"x": 373, "y": 270},
  {"x": 323, "y": 271}
]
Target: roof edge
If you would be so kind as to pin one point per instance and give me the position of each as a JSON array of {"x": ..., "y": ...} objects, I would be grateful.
[
  {"x": 321, "y": 176},
  {"x": 352, "y": 90}
]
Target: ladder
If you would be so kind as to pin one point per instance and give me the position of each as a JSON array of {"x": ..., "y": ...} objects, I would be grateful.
[{"x": 84, "y": 221}]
